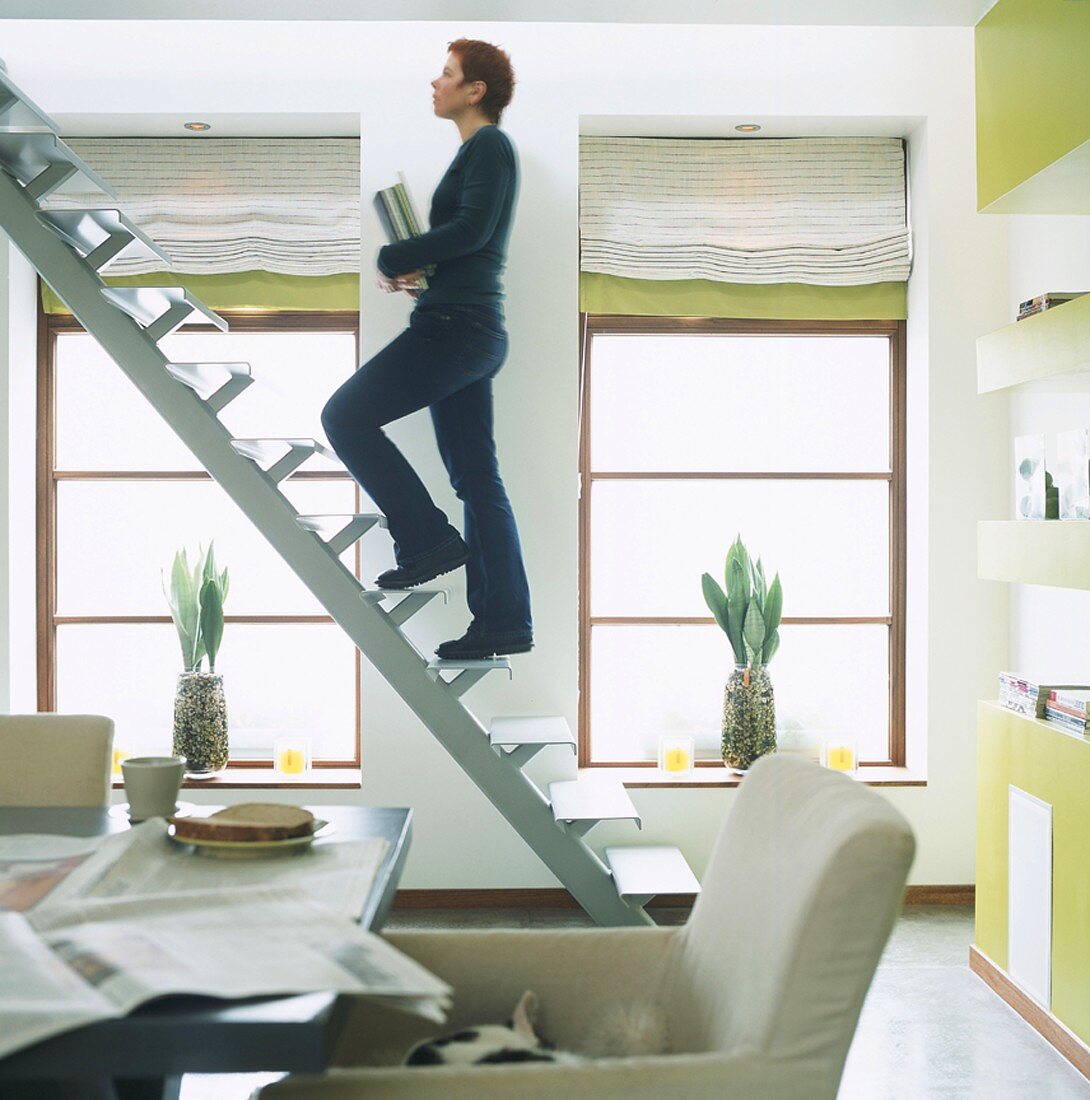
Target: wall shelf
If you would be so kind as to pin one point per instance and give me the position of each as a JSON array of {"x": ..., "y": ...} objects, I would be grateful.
[
  {"x": 1049, "y": 352},
  {"x": 1052, "y": 552}
]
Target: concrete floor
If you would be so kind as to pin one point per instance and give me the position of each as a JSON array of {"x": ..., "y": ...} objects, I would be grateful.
[{"x": 930, "y": 1029}]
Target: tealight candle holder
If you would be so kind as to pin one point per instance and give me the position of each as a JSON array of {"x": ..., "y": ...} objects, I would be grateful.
[
  {"x": 291, "y": 756},
  {"x": 676, "y": 756},
  {"x": 839, "y": 754}
]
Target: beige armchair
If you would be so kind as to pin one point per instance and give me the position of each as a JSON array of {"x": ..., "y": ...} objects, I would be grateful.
[
  {"x": 55, "y": 759},
  {"x": 760, "y": 991}
]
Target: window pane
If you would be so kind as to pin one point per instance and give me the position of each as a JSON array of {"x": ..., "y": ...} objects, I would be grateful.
[
  {"x": 116, "y": 538},
  {"x": 651, "y": 540},
  {"x": 278, "y": 679},
  {"x": 649, "y": 681},
  {"x": 295, "y": 374},
  {"x": 739, "y": 403}
]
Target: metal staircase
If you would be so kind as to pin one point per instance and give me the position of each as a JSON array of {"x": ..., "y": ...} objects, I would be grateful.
[{"x": 69, "y": 250}]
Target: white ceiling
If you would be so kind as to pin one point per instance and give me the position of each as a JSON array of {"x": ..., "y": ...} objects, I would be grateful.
[{"x": 878, "y": 13}]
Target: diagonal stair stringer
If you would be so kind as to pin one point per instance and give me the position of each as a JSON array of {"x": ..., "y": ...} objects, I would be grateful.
[{"x": 336, "y": 588}]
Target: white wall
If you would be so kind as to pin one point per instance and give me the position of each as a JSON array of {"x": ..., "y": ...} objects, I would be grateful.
[
  {"x": 924, "y": 77},
  {"x": 1049, "y": 640},
  {"x": 18, "y": 365}
]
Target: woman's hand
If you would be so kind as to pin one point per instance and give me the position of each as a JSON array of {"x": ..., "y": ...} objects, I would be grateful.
[{"x": 406, "y": 282}]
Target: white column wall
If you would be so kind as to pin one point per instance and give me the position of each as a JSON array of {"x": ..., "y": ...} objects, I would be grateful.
[{"x": 957, "y": 442}]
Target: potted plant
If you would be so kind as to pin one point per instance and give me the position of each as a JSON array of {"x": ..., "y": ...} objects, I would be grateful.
[
  {"x": 749, "y": 614},
  {"x": 196, "y": 599}
]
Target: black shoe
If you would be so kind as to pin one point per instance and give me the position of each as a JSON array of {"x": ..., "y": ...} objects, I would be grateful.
[
  {"x": 427, "y": 566},
  {"x": 473, "y": 646}
]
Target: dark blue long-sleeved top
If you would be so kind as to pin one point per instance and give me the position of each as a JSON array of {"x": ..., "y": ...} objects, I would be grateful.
[{"x": 470, "y": 219}]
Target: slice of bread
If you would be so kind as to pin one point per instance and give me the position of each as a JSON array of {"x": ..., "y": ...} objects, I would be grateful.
[{"x": 249, "y": 821}]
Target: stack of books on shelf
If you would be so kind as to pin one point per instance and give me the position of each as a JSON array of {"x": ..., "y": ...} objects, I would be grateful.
[
  {"x": 1046, "y": 301},
  {"x": 1068, "y": 708},
  {"x": 1030, "y": 699}
]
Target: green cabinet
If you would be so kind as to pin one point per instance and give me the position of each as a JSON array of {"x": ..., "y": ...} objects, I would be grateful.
[
  {"x": 1053, "y": 766},
  {"x": 1033, "y": 107}
]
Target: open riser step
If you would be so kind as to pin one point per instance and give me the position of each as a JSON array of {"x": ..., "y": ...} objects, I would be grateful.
[
  {"x": 585, "y": 802},
  {"x": 128, "y": 323},
  {"x": 646, "y": 872}
]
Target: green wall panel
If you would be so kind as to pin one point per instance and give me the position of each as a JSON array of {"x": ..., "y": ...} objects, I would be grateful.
[
  {"x": 767, "y": 301},
  {"x": 1032, "y": 90},
  {"x": 1055, "y": 767}
]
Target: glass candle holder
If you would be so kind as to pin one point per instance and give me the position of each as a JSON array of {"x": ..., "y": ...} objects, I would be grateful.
[
  {"x": 291, "y": 756},
  {"x": 676, "y": 756},
  {"x": 840, "y": 754}
]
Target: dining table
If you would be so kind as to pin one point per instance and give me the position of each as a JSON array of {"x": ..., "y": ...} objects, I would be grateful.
[{"x": 143, "y": 1056}]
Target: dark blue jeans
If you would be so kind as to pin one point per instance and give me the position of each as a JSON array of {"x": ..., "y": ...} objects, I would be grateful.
[{"x": 445, "y": 360}]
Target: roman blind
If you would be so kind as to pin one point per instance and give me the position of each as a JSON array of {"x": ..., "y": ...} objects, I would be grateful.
[
  {"x": 817, "y": 211},
  {"x": 216, "y": 206}
]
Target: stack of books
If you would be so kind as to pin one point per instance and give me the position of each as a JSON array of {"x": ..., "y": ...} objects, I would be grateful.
[
  {"x": 399, "y": 218},
  {"x": 1067, "y": 707},
  {"x": 1028, "y": 698},
  {"x": 1046, "y": 301}
]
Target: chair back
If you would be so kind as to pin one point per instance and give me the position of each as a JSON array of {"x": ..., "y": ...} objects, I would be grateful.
[
  {"x": 55, "y": 759},
  {"x": 801, "y": 892}
]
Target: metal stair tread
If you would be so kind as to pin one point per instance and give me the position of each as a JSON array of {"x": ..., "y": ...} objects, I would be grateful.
[
  {"x": 377, "y": 595},
  {"x": 543, "y": 730},
  {"x": 199, "y": 376},
  {"x": 483, "y": 664},
  {"x": 23, "y": 113},
  {"x": 647, "y": 871},
  {"x": 591, "y": 799},
  {"x": 333, "y": 522},
  {"x": 26, "y": 154},
  {"x": 85, "y": 230},
  {"x": 271, "y": 449},
  {"x": 146, "y": 304}
]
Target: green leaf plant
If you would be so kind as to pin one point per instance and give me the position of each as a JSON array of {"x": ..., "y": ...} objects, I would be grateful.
[
  {"x": 196, "y": 597},
  {"x": 749, "y": 611}
]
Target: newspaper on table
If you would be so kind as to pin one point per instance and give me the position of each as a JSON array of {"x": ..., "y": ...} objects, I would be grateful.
[
  {"x": 71, "y": 963},
  {"x": 44, "y": 870}
]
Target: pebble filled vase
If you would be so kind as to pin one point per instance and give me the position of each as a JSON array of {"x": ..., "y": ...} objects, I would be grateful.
[
  {"x": 749, "y": 716},
  {"x": 200, "y": 723}
]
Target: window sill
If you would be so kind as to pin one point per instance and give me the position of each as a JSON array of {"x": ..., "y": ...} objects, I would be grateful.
[
  {"x": 639, "y": 778},
  {"x": 345, "y": 779}
]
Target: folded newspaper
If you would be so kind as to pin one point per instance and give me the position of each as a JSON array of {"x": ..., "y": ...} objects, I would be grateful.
[{"x": 82, "y": 941}]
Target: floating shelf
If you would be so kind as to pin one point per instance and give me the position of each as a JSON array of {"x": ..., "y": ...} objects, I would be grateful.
[
  {"x": 1049, "y": 352},
  {"x": 1052, "y": 552}
]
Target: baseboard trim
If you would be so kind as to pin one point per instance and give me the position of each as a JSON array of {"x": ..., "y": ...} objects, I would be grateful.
[
  {"x": 940, "y": 895},
  {"x": 1040, "y": 1019},
  {"x": 561, "y": 899}
]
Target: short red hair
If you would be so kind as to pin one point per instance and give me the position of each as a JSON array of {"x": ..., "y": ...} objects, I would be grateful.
[{"x": 488, "y": 63}]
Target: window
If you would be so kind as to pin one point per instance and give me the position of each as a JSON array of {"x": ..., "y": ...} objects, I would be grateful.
[
  {"x": 790, "y": 433},
  {"x": 119, "y": 493}
]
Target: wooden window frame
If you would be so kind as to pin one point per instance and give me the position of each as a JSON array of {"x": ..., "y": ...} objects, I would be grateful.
[
  {"x": 52, "y": 325},
  {"x": 592, "y": 325}
]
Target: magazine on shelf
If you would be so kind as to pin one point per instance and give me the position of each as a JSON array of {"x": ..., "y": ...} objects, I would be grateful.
[
  {"x": 399, "y": 219},
  {"x": 70, "y": 964},
  {"x": 1028, "y": 698}
]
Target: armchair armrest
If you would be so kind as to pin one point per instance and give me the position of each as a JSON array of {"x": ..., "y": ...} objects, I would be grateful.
[
  {"x": 577, "y": 974},
  {"x": 680, "y": 1077}
]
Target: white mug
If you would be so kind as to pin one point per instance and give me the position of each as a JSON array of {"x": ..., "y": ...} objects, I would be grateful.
[{"x": 152, "y": 784}]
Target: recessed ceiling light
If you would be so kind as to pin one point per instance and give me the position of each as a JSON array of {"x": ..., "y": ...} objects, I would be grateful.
[
  {"x": 198, "y": 127},
  {"x": 747, "y": 128}
]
